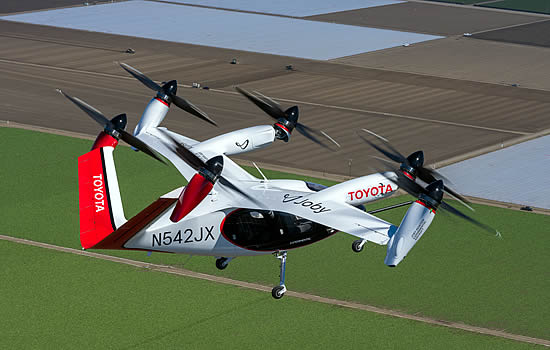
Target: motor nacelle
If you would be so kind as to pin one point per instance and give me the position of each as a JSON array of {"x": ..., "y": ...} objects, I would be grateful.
[
  {"x": 198, "y": 188},
  {"x": 416, "y": 221},
  {"x": 238, "y": 141},
  {"x": 152, "y": 116}
]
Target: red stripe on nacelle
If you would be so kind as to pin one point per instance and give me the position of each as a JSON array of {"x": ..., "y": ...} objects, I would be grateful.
[
  {"x": 282, "y": 126},
  {"x": 104, "y": 140},
  {"x": 425, "y": 205},
  {"x": 408, "y": 175},
  {"x": 191, "y": 196},
  {"x": 163, "y": 102}
]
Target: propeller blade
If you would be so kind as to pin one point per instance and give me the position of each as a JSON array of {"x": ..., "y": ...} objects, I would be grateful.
[
  {"x": 229, "y": 184},
  {"x": 140, "y": 76},
  {"x": 142, "y": 146},
  {"x": 191, "y": 108},
  {"x": 267, "y": 98},
  {"x": 402, "y": 181},
  {"x": 274, "y": 111},
  {"x": 196, "y": 163},
  {"x": 91, "y": 111},
  {"x": 107, "y": 124},
  {"x": 409, "y": 186},
  {"x": 396, "y": 156},
  {"x": 458, "y": 213},
  {"x": 430, "y": 175},
  {"x": 310, "y": 134},
  {"x": 185, "y": 154},
  {"x": 424, "y": 174},
  {"x": 393, "y": 149}
]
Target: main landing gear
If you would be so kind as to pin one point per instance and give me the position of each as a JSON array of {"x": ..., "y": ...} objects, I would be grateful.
[
  {"x": 221, "y": 263},
  {"x": 357, "y": 245},
  {"x": 279, "y": 291}
]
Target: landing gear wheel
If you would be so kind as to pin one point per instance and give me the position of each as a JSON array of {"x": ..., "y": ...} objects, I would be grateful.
[
  {"x": 278, "y": 292},
  {"x": 221, "y": 263},
  {"x": 357, "y": 245}
]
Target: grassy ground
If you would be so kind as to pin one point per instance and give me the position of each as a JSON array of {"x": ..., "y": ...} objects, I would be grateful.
[
  {"x": 455, "y": 273},
  {"x": 539, "y": 6},
  {"x": 62, "y": 301}
]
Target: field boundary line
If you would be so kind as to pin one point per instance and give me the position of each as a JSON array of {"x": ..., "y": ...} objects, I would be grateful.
[{"x": 304, "y": 296}]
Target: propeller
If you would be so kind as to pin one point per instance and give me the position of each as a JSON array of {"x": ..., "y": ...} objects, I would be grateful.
[
  {"x": 210, "y": 169},
  {"x": 432, "y": 195},
  {"x": 114, "y": 127},
  {"x": 167, "y": 93},
  {"x": 286, "y": 120},
  {"x": 413, "y": 165}
]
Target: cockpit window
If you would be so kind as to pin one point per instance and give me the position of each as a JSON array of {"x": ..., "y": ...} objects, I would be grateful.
[{"x": 271, "y": 230}]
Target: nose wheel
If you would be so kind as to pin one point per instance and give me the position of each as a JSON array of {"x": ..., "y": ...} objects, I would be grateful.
[
  {"x": 279, "y": 291},
  {"x": 357, "y": 245}
]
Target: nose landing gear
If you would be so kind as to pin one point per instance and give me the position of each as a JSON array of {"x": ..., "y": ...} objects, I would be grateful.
[{"x": 279, "y": 291}]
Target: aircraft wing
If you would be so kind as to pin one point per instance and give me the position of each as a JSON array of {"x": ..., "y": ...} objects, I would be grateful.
[
  {"x": 153, "y": 138},
  {"x": 340, "y": 216}
]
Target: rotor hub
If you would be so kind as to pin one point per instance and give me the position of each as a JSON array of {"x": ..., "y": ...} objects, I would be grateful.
[
  {"x": 170, "y": 88},
  {"x": 434, "y": 194},
  {"x": 408, "y": 171},
  {"x": 283, "y": 129},
  {"x": 213, "y": 169},
  {"x": 164, "y": 97},
  {"x": 116, "y": 123}
]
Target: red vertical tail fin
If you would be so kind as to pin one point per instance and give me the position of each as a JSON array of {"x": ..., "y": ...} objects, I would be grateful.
[{"x": 100, "y": 204}]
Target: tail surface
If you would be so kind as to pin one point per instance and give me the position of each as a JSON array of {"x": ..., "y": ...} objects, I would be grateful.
[{"x": 101, "y": 211}]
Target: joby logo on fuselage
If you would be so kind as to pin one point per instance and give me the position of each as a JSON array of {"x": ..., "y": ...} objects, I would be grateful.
[
  {"x": 99, "y": 192},
  {"x": 371, "y": 191},
  {"x": 242, "y": 145},
  {"x": 297, "y": 200}
]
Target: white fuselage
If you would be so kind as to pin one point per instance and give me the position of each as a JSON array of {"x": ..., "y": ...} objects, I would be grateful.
[{"x": 200, "y": 232}]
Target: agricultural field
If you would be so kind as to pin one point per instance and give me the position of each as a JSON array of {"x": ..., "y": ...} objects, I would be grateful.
[
  {"x": 539, "y": 6},
  {"x": 456, "y": 273},
  {"x": 58, "y": 300}
]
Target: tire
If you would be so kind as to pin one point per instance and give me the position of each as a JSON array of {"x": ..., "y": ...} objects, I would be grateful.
[
  {"x": 356, "y": 246},
  {"x": 221, "y": 263},
  {"x": 278, "y": 292}
]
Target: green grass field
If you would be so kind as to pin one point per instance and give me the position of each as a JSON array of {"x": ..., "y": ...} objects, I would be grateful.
[
  {"x": 539, "y": 6},
  {"x": 62, "y": 301},
  {"x": 455, "y": 273}
]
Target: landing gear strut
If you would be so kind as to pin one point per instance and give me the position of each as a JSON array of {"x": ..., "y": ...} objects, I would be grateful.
[
  {"x": 221, "y": 263},
  {"x": 279, "y": 291},
  {"x": 357, "y": 245}
]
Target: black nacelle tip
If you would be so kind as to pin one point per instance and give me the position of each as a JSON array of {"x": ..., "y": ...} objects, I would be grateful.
[
  {"x": 119, "y": 122},
  {"x": 435, "y": 190},
  {"x": 170, "y": 88},
  {"x": 416, "y": 159},
  {"x": 292, "y": 114}
]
